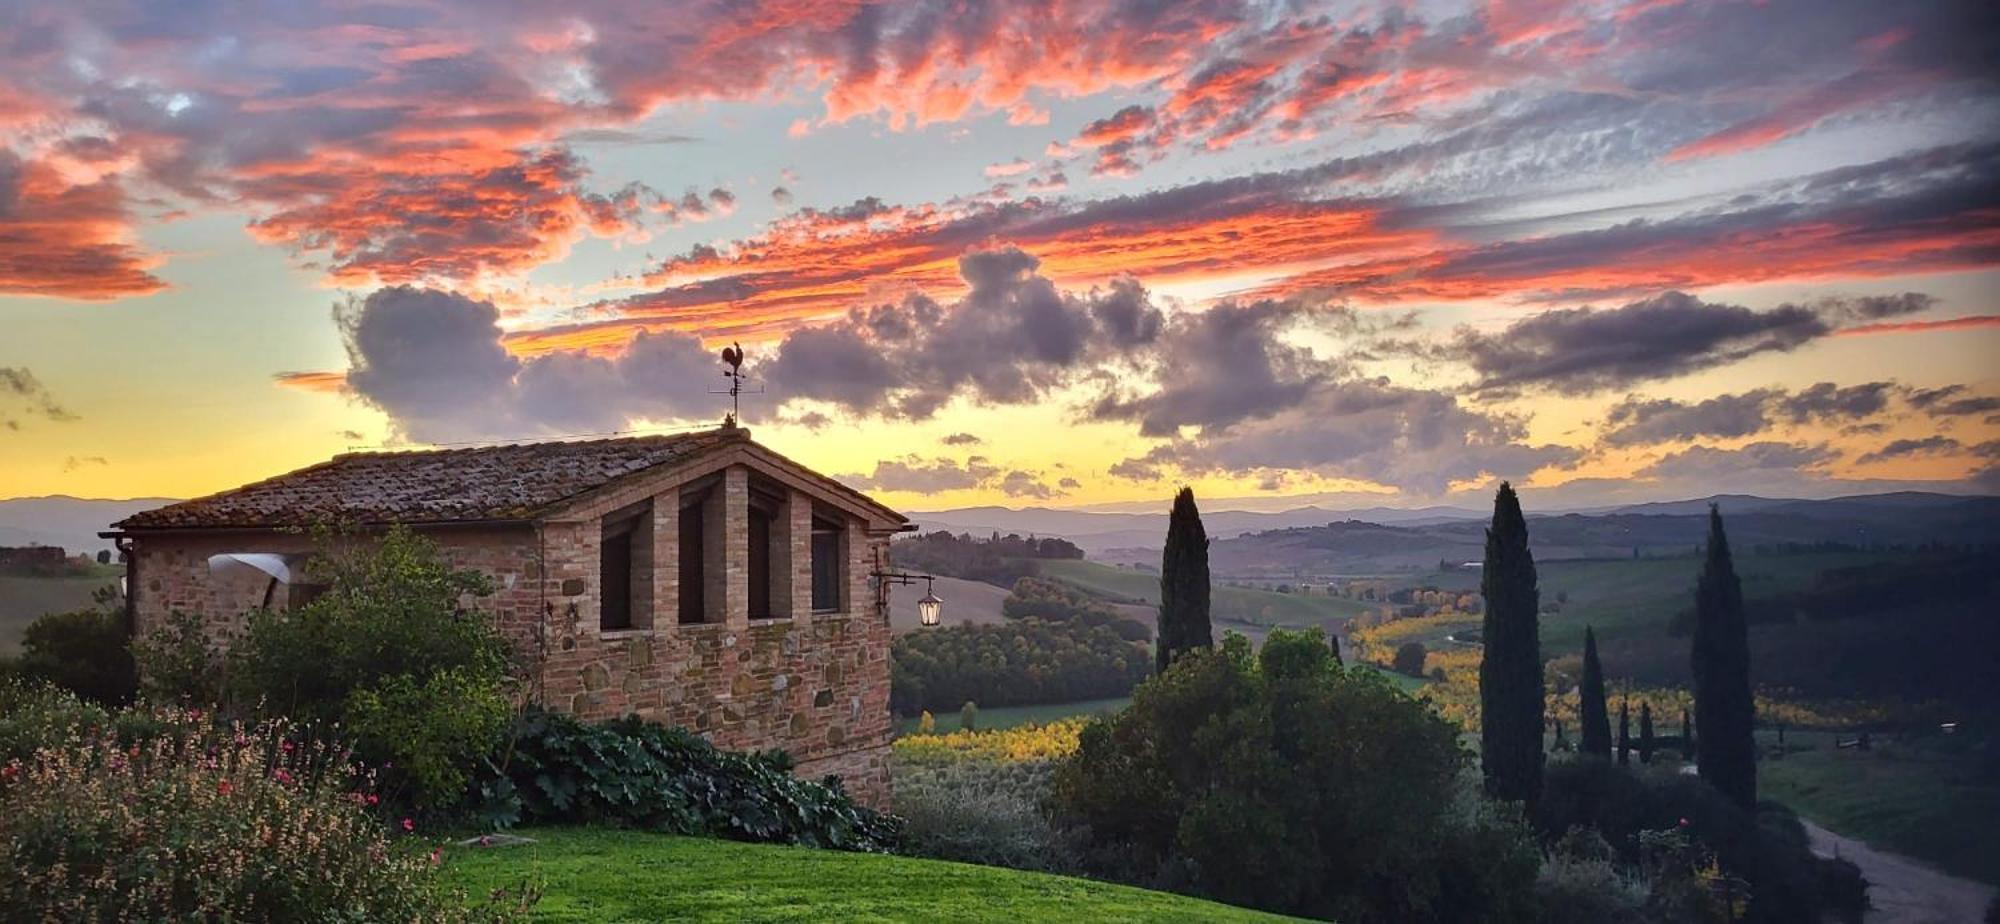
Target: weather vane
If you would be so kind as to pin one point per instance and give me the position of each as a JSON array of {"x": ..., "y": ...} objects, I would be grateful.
[{"x": 733, "y": 356}]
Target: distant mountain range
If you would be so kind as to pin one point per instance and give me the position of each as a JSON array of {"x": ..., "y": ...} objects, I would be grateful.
[
  {"x": 1315, "y": 540},
  {"x": 70, "y": 522}
]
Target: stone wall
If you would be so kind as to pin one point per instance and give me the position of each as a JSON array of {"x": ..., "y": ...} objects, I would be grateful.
[{"x": 813, "y": 684}]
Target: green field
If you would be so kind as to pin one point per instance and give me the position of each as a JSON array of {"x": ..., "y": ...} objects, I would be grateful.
[
  {"x": 1638, "y": 597},
  {"x": 1922, "y": 797},
  {"x": 1230, "y": 604},
  {"x": 24, "y": 598},
  {"x": 1001, "y": 717},
  {"x": 602, "y": 875}
]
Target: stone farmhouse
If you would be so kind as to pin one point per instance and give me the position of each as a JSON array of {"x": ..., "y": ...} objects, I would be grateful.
[{"x": 698, "y": 579}]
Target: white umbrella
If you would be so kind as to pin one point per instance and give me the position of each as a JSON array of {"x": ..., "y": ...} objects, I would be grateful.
[{"x": 279, "y": 567}]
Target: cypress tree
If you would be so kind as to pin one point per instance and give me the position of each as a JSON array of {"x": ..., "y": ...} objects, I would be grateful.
[
  {"x": 1591, "y": 711},
  {"x": 1333, "y": 642},
  {"x": 1184, "y": 583},
  {"x": 1624, "y": 732},
  {"x": 1510, "y": 674},
  {"x": 1723, "y": 706},
  {"x": 1687, "y": 736},
  {"x": 1645, "y": 733}
]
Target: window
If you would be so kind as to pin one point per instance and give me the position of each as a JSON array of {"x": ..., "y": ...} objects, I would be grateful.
[
  {"x": 760, "y": 563},
  {"x": 625, "y": 570},
  {"x": 614, "y": 578},
  {"x": 829, "y": 552},
  {"x": 693, "y": 578}
]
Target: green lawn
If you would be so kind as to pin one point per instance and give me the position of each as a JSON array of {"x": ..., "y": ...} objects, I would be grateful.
[
  {"x": 23, "y": 599},
  {"x": 1230, "y": 604},
  {"x": 602, "y": 875},
  {"x": 1001, "y": 717},
  {"x": 1922, "y": 797}
]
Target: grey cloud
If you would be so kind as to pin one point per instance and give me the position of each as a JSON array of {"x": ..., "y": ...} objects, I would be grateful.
[
  {"x": 781, "y": 196},
  {"x": 1011, "y": 338},
  {"x": 1581, "y": 350},
  {"x": 1026, "y": 484},
  {"x": 1926, "y": 446},
  {"x": 19, "y": 387},
  {"x": 962, "y": 439},
  {"x": 1953, "y": 401},
  {"x": 1637, "y": 421},
  {"x": 1706, "y": 463},
  {"x": 434, "y": 363},
  {"x": 1414, "y": 439},
  {"x": 1224, "y": 365},
  {"x": 921, "y": 476}
]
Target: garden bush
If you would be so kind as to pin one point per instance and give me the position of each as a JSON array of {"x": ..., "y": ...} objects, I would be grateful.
[
  {"x": 419, "y": 683},
  {"x": 203, "y": 822},
  {"x": 1294, "y": 785},
  {"x": 83, "y": 651},
  {"x": 981, "y": 811},
  {"x": 636, "y": 774},
  {"x": 1767, "y": 851},
  {"x": 181, "y": 662}
]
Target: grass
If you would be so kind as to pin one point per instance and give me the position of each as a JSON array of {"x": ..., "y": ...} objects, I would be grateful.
[
  {"x": 1002, "y": 717},
  {"x": 1630, "y": 598},
  {"x": 604, "y": 875},
  {"x": 1920, "y": 797},
  {"x": 23, "y": 599},
  {"x": 1229, "y": 604}
]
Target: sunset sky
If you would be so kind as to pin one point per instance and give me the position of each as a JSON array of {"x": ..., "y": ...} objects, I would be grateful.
[{"x": 1060, "y": 252}]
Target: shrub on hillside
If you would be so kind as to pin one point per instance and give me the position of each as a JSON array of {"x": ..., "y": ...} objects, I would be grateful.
[
  {"x": 202, "y": 822},
  {"x": 1410, "y": 659},
  {"x": 181, "y": 661},
  {"x": 1767, "y": 851},
  {"x": 419, "y": 683},
  {"x": 981, "y": 811},
  {"x": 83, "y": 651},
  {"x": 632, "y": 773},
  {"x": 1016, "y": 663},
  {"x": 1288, "y": 783}
]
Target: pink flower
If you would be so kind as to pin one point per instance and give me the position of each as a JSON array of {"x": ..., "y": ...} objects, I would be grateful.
[
  {"x": 409, "y": 825},
  {"x": 223, "y": 787},
  {"x": 287, "y": 746},
  {"x": 373, "y": 798},
  {"x": 281, "y": 776},
  {"x": 1684, "y": 822},
  {"x": 437, "y": 856}
]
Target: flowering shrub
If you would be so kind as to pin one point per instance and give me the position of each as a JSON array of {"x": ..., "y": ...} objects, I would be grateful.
[
  {"x": 202, "y": 821},
  {"x": 638, "y": 774},
  {"x": 1027, "y": 742}
]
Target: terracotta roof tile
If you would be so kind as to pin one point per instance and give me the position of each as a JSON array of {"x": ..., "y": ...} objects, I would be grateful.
[{"x": 507, "y": 482}]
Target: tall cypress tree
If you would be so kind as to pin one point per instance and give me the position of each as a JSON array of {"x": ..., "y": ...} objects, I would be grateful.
[
  {"x": 1645, "y": 733},
  {"x": 1723, "y": 706},
  {"x": 1687, "y": 736},
  {"x": 1591, "y": 711},
  {"x": 1184, "y": 583},
  {"x": 1624, "y": 732},
  {"x": 1510, "y": 674}
]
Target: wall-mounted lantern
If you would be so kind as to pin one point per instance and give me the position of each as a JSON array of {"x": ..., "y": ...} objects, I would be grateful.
[{"x": 930, "y": 607}]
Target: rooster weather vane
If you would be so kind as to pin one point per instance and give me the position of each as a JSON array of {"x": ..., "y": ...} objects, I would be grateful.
[{"x": 732, "y": 355}]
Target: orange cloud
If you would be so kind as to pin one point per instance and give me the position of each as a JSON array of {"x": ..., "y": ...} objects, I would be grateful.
[{"x": 67, "y": 240}]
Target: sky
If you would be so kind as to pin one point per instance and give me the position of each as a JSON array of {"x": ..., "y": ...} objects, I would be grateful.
[{"x": 1055, "y": 252}]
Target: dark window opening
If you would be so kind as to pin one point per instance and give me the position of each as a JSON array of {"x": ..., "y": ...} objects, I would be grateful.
[
  {"x": 760, "y": 564},
  {"x": 614, "y": 581},
  {"x": 693, "y": 582},
  {"x": 827, "y": 561}
]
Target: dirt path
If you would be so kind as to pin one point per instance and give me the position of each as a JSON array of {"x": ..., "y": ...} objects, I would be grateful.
[{"x": 1902, "y": 890}]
